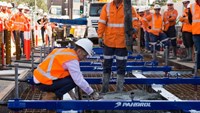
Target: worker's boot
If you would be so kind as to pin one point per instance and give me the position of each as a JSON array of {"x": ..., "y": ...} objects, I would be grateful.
[
  {"x": 105, "y": 83},
  {"x": 49, "y": 96},
  {"x": 189, "y": 58},
  {"x": 120, "y": 83},
  {"x": 174, "y": 53}
]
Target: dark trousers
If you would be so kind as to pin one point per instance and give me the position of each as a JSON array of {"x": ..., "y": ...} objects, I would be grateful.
[
  {"x": 196, "y": 39},
  {"x": 109, "y": 54},
  {"x": 59, "y": 87},
  {"x": 42, "y": 32},
  {"x": 187, "y": 39},
  {"x": 171, "y": 33}
]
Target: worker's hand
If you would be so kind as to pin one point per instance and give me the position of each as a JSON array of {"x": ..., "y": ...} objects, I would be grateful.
[
  {"x": 101, "y": 42},
  {"x": 94, "y": 95}
]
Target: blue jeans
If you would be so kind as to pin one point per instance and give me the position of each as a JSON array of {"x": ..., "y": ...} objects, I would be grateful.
[
  {"x": 196, "y": 39},
  {"x": 146, "y": 38},
  {"x": 59, "y": 87},
  {"x": 161, "y": 37},
  {"x": 121, "y": 64}
]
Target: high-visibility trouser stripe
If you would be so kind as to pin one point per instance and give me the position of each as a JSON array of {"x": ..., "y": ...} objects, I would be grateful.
[
  {"x": 108, "y": 10},
  {"x": 102, "y": 21},
  {"x": 172, "y": 38},
  {"x": 121, "y": 57},
  {"x": 115, "y": 25},
  {"x": 195, "y": 21},
  {"x": 108, "y": 57}
]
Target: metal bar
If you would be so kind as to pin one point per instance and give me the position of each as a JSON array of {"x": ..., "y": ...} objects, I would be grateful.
[
  {"x": 16, "y": 82},
  {"x": 130, "y": 68},
  {"x": 137, "y": 57},
  {"x": 193, "y": 81},
  {"x": 104, "y": 105},
  {"x": 20, "y": 66}
]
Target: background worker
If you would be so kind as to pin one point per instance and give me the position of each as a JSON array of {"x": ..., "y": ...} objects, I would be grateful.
[
  {"x": 186, "y": 32},
  {"x": 194, "y": 19},
  {"x": 111, "y": 31},
  {"x": 169, "y": 26},
  {"x": 43, "y": 24},
  {"x": 60, "y": 71}
]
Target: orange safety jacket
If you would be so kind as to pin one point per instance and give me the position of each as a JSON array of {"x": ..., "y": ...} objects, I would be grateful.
[
  {"x": 145, "y": 22},
  {"x": 186, "y": 26},
  {"x": 52, "y": 67},
  {"x": 27, "y": 26},
  {"x": 156, "y": 24},
  {"x": 1, "y": 24},
  {"x": 169, "y": 18},
  {"x": 195, "y": 9},
  {"x": 18, "y": 21},
  {"x": 111, "y": 25}
]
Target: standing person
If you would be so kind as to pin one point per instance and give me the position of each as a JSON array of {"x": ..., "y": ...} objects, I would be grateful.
[
  {"x": 170, "y": 21},
  {"x": 186, "y": 32},
  {"x": 60, "y": 71},
  {"x": 111, "y": 31},
  {"x": 194, "y": 19},
  {"x": 43, "y": 23}
]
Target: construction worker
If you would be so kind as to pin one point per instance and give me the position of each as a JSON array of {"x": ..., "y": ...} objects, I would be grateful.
[
  {"x": 60, "y": 72},
  {"x": 43, "y": 23},
  {"x": 156, "y": 33},
  {"x": 19, "y": 22},
  {"x": 169, "y": 26},
  {"x": 186, "y": 31},
  {"x": 142, "y": 41},
  {"x": 111, "y": 31},
  {"x": 194, "y": 19}
]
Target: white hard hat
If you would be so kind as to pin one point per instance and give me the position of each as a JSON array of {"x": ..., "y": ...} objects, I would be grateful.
[
  {"x": 141, "y": 10},
  {"x": 26, "y": 7},
  {"x": 157, "y": 6},
  {"x": 147, "y": 8},
  {"x": 86, "y": 44},
  {"x": 188, "y": 6},
  {"x": 185, "y": 0},
  {"x": 4, "y": 4},
  {"x": 45, "y": 14},
  {"x": 170, "y": 2},
  {"x": 9, "y": 5},
  {"x": 20, "y": 6}
]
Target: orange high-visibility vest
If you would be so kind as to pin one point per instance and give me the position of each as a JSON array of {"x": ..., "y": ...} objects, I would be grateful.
[
  {"x": 52, "y": 67},
  {"x": 145, "y": 22},
  {"x": 156, "y": 24},
  {"x": 195, "y": 9},
  {"x": 186, "y": 26},
  {"x": 1, "y": 24},
  {"x": 111, "y": 25},
  {"x": 18, "y": 21},
  {"x": 169, "y": 18}
]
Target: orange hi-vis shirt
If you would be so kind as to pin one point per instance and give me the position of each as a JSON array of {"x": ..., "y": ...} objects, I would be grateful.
[
  {"x": 52, "y": 67},
  {"x": 19, "y": 21},
  {"x": 156, "y": 24},
  {"x": 195, "y": 9},
  {"x": 186, "y": 26},
  {"x": 145, "y": 22},
  {"x": 169, "y": 18},
  {"x": 111, "y": 25}
]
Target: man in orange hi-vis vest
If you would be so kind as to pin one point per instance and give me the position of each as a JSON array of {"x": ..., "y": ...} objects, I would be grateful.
[
  {"x": 60, "y": 72},
  {"x": 186, "y": 31},
  {"x": 169, "y": 25},
  {"x": 194, "y": 19},
  {"x": 111, "y": 30}
]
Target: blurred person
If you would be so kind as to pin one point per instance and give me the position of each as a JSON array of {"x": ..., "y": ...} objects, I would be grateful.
[
  {"x": 194, "y": 19},
  {"x": 43, "y": 24},
  {"x": 60, "y": 72},
  {"x": 186, "y": 32},
  {"x": 169, "y": 26},
  {"x": 111, "y": 32}
]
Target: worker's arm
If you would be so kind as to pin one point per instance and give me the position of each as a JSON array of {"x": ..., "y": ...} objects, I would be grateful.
[
  {"x": 74, "y": 69},
  {"x": 102, "y": 22},
  {"x": 190, "y": 16},
  {"x": 135, "y": 20},
  {"x": 174, "y": 16}
]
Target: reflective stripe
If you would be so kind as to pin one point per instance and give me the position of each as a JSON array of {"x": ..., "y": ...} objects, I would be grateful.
[
  {"x": 108, "y": 10},
  {"x": 115, "y": 25},
  {"x": 193, "y": 6},
  {"x": 121, "y": 57},
  {"x": 164, "y": 40},
  {"x": 152, "y": 43},
  {"x": 19, "y": 22},
  {"x": 47, "y": 73},
  {"x": 134, "y": 18},
  {"x": 172, "y": 38},
  {"x": 102, "y": 21},
  {"x": 108, "y": 57},
  {"x": 195, "y": 21}
]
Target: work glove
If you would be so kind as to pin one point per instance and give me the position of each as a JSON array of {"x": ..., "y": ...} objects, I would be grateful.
[
  {"x": 94, "y": 96},
  {"x": 100, "y": 41}
]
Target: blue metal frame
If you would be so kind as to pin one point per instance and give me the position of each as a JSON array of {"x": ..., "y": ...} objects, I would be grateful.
[
  {"x": 130, "y": 68},
  {"x": 132, "y": 63},
  {"x": 149, "y": 81},
  {"x": 137, "y": 57},
  {"x": 103, "y": 105}
]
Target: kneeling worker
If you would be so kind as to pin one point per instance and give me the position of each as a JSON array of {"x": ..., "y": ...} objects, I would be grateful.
[{"x": 60, "y": 71}]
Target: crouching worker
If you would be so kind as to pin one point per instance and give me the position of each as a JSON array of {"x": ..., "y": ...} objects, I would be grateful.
[{"x": 60, "y": 71}]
